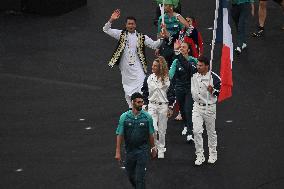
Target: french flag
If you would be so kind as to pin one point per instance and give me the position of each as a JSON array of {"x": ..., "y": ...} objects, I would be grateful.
[{"x": 224, "y": 35}]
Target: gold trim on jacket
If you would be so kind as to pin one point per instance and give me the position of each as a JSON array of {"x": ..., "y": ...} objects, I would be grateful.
[{"x": 121, "y": 46}]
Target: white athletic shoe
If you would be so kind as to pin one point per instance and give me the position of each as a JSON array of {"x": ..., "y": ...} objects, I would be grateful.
[
  {"x": 199, "y": 159},
  {"x": 189, "y": 138},
  {"x": 212, "y": 159},
  {"x": 184, "y": 131},
  {"x": 244, "y": 46},
  {"x": 161, "y": 155},
  {"x": 238, "y": 50}
]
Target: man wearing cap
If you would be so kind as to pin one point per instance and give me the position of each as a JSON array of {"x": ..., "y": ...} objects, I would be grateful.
[
  {"x": 129, "y": 54},
  {"x": 136, "y": 129},
  {"x": 204, "y": 109}
]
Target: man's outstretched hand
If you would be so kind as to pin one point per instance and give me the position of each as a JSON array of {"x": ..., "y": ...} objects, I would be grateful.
[{"x": 115, "y": 15}]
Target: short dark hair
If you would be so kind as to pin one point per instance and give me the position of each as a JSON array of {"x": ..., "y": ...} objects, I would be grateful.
[
  {"x": 188, "y": 45},
  {"x": 203, "y": 59},
  {"x": 136, "y": 95},
  {"x": 130, "y": 18}
]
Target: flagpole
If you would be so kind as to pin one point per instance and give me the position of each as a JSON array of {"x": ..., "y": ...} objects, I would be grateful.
[
  {"x": 162, "y": 9},
  {"x": 212, "y": 47}
]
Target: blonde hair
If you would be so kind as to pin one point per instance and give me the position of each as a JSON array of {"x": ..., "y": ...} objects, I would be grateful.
[{"x": 163, "y": 68}]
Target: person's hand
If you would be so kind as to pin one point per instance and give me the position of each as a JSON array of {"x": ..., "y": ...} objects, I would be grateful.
[
  {"x": 177, "y": 45},
  {"x": 118, "y": 156},
  {"x": 145, "y": 107},
  {"x": 157, "y": 52},
  {"x": 164, "y": 33},
  {"x": 115, "y": 15},
  {"x": 210, "y": 89},
  {"x": 170, "y": 112},
  {"x": 154, "y": 153}
]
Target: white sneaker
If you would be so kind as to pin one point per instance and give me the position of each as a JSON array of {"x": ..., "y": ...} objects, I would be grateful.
[
  {"x": 199, "y": 159},
  {"x": 184, "y": 131},
  {"x": 244, "y": 46},
  {"x": 161, "y": 155},
  {"x": 212, "y": 159},
  {"x": 189, "y": 138},
  {"x": 238, "y": 50}
]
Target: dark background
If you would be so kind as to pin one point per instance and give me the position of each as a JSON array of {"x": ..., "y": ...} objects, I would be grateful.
[{"x": 53, "y": 72}]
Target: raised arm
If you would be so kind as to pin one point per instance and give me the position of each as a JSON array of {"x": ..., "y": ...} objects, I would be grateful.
[
  {"x": 181, "y": 19},
  {"x": 115, "y": 33},
  {"x": 151, "y": 43}
]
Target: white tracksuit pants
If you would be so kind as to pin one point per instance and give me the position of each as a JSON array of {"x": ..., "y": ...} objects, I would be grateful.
[
  {"x": 159, "y": 114},
  {"x": 128, "y": 100},
  {"x": 200, "y": 116}
]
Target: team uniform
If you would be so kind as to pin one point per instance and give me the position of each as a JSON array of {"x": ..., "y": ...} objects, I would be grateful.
[
  {"x": 159, "y": 96},
  {"x": 136, "y": 131},
  {"x": 181, "y": 72},
  {"x": 203, "y": 113}
]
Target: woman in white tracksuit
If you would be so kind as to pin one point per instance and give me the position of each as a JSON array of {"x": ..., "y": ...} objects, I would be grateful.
[{"x": 158, "y": 84}]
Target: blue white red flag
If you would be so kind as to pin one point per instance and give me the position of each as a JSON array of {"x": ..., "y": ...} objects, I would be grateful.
[{"x": 224, "y": 35}]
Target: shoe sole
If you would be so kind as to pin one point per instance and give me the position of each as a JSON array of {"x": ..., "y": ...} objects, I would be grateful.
[
  {"x": 257, "y": 34},
  {"x": 200, "y": 163}
]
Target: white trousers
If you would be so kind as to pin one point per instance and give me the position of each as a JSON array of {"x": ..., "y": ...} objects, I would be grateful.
[
  {"x": 128, "y": 100},
  {"x": 200, "y": 116},
  {"x": 159, "y": 114}
]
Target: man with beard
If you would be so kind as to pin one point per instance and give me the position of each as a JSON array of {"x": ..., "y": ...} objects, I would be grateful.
[
  {"x": 204, "y": 109},
  {"x": 136, "y": 129}
]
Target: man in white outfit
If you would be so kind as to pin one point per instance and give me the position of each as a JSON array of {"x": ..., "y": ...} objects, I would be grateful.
[
  {"x": 130, "y": 54},
  {"x": 160, "y": 99},
  {"x": 204, "y": 110}
]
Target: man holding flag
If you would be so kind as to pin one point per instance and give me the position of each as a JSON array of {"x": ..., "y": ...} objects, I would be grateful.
[
  {"x": 206, "y": 86},
  {"x": 204, "y": 109},
  {"x": 173, "y": 22}
]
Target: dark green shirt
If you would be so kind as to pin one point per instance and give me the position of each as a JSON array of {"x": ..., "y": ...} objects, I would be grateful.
[
  {"x": 172, "y": 24},
  {"x": 135, "y": 130}
]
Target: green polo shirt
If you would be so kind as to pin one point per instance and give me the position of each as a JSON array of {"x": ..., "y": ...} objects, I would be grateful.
[
  {"x": 135, "y": 130},
  {"x": 172, "y": 24},
  {"x": 143, "y": 114},
  {"x": 237, "y": 2}
]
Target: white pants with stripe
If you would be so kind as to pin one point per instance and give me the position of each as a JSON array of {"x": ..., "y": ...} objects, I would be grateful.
[
  {"x": 159, "y": 114},
  {"x": 200, "y": 116}
]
